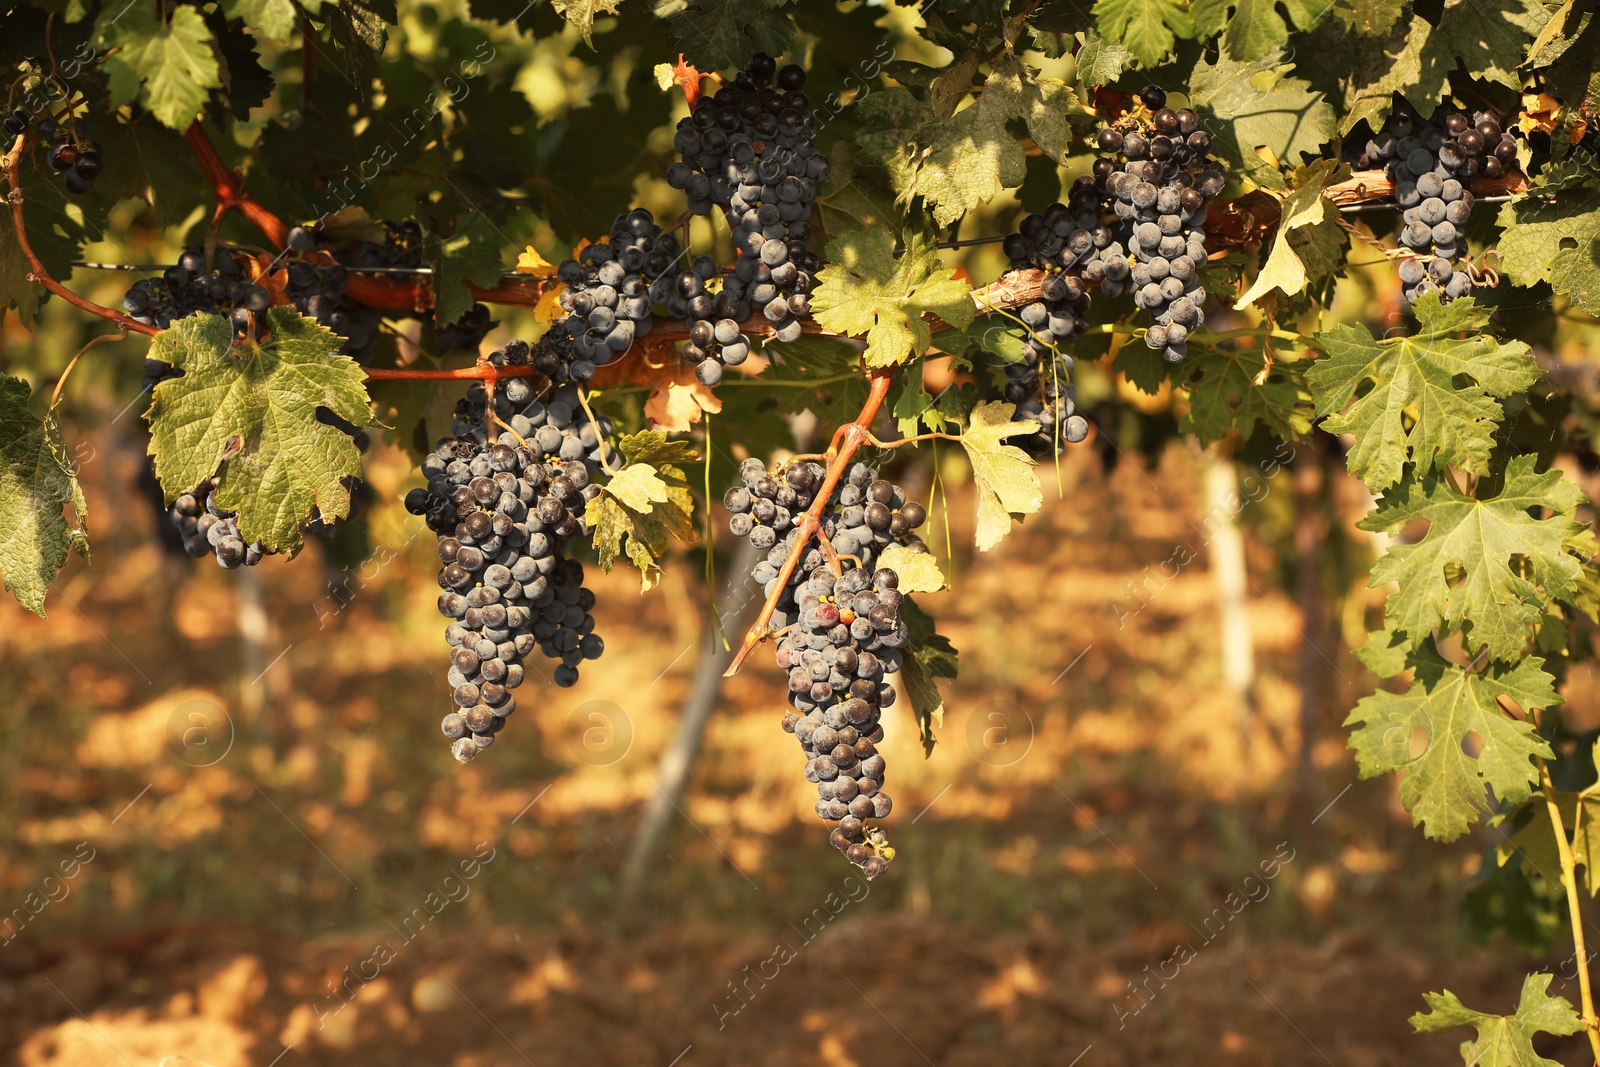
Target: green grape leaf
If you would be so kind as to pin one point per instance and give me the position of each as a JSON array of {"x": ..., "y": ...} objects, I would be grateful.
[
  {"x": 1305, "y": 207},
  {"x": 168, "y": 68},
  {"x": 865, "y": 290},
  {"x": 1146, "y": 27},
  {"x": 471, "y": 254},
  {"x": 275, "y": 20},
  {"x": 1004, "y": 474},
  {"x": 1554, "y": 240},
  {"x": 1489, "y": 42},
  {"x": 918, "y": 571},
  {"x": 580, "y": 14},
  {"x": 1386, "y": 653},
  {"x": 37, "y": 482},
  {"x": 723, "y": 34},
  {"x": 970, "y": 158},
  {"x": 1503, "y": 1040},
  {"x": 255, "y": 409},
  {"x": 1501, "y": 555},
  {"x": 1444, "y": 786},
  {"x": 1257, "y": 105},
  {"x": 15, "y": 288},
  {"x": 645, "y": 505},
  {"x": 1413, "y": 382},
  {"x": 1368, "y": 18},
  {"x": 359, "y": 30},
  {"x": 1101, "y": 62},
  {"x": 821, "y": 375},
  {"x": 929, "y": 657},
  {"x": 1231, "y": 388},
  {"x": 1535, "y": 839},
  {"x": 1253, "y": 28}
]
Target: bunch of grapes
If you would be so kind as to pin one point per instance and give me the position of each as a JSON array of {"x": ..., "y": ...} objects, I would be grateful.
[
  {"x": 750, "y": 149},
  {"x": 1432, "y": 164},
  {"x": 842, "y": 632},
  {"x": 611, "y": 289},
  {"x": 316, "y": 287},
  {"x": 466, "y": 332},
  {"x": 72, "y": 155},
  {"x": 504, "y": 512},
  {"x": 1040, "y": 385},
  {"x": 1160, "y": 182},
  {"x": 188, "y": 288},
  {"x": 206, "y": 528}
]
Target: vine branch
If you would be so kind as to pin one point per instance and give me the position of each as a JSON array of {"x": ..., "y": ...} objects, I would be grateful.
[
  {"x": 12, "y": 166},
  {"x": 1569, "y": 881},
  {"x": 847, "y": 439}
]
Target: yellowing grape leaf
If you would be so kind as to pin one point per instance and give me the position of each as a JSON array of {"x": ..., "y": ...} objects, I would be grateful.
[
  {"x": 1257, "y": 105},
  {"x": 255, "y": 408},
  {"x": 644, "y": 505},
  {"x": 1503, "y": 1040},
  {"x": 1423, "y": 730},
  {"x": 1003, "y": 474},
  {"x": 37, "y": 481},
  {"x": 918, "y": 571},
  {"x": 1304, "y": 207},
  {"x": 580, "y": 14},
  {"x": 1415, "y": 410},
  {"x": 1506, "y": 562},
  {"x": 529, "y": 261},
  {"x": 1101, "y": 62},
  {"x": 168, "y": 67},
  {"x": 967, "y": 159},
  {"x": 275, "y": 20},
  {"x": 864, "y": 289}
]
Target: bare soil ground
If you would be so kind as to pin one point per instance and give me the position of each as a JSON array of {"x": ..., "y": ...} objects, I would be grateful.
[{"x": 279, "y": 880}]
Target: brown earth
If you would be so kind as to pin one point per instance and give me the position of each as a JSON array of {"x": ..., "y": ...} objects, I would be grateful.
[{"x": 252, "y": 767}]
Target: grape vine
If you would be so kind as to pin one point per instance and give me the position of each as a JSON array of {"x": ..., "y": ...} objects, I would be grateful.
[{"x": 1227, "y": 221}]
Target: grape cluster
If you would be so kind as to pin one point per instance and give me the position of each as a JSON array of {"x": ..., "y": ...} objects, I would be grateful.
[
  {"x": 611, "y": 289},
  {"x": 1040, "y": 385},
  {"x": 316, "y": 286},
  {"x": 466, "y": 332},
  {"x": 206, "y": 528},
  {"x": 842, "y": 633},
  {"x": 71, "y": 155},
  {"x": 188, "y": 288},
  {"x": 1159, "y": 184},
  {"x": 1432, "y": 164},
  {"x": 504, "y": 513},
  {"x": 17, "y": 121},
  {"x": 750, "y": 149}
]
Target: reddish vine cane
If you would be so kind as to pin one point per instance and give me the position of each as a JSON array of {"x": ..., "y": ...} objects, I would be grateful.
[{"x": 847, "y": 439}]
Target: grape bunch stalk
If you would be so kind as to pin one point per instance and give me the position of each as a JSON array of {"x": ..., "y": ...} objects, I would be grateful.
[
  {"x": 841, "y": 632},
  {"x": 504, "y": 511},
  {"x": 750, "y": 150},
  {"x": 1433, "y": 164}
]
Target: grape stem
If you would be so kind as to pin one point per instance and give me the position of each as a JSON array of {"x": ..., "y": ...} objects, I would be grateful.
[
  {"x": 847, "y": 439},
  {"x": 1569, "y": 881},
  {"x": 12, "y": 167},
  {"x": 120, "y": 335},
  {"x": 229, "y": 187}
]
